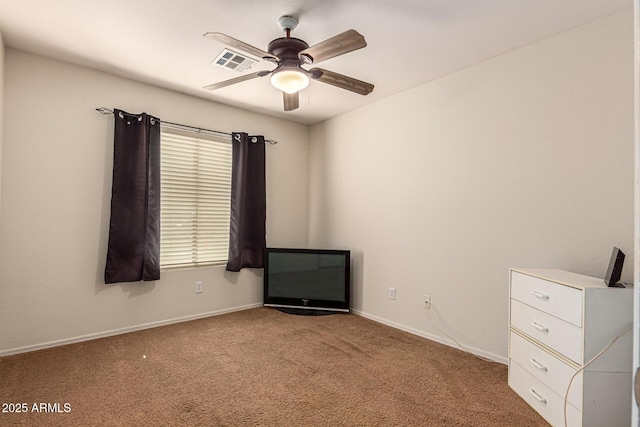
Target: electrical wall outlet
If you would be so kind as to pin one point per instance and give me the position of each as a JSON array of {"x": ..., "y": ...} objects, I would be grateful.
[
  {"x": 198, "y": 287},
  {"x": 392, "y": 293},
  {"x": 426, "y": 301}
]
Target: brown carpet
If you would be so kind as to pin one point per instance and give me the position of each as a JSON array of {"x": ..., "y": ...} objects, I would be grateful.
[{"x": 261, "y": 367}]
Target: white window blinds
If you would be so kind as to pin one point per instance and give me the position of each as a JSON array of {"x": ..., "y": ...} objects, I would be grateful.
[{"x": 195, "y": 199}]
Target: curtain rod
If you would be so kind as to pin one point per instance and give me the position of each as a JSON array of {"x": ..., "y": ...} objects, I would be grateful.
[{"x": 107, "y": 111}]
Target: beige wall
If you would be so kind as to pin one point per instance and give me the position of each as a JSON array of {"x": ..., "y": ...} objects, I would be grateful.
[
  {"x": 525, "y": 160},
  {"x": 1, "y": 112},
  {"x": 56, "y": 181}
]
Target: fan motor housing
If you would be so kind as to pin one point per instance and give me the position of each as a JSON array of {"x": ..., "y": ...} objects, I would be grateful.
[{"x": 287, "y": 49}]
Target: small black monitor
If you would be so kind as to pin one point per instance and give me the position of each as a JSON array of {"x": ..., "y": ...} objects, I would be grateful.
[{"x": 614, "y": 271}]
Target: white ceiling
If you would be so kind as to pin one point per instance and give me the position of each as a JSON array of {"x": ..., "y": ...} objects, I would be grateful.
[{"x": 410, "y": 42}]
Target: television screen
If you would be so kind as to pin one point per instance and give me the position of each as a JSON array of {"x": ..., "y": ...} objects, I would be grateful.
[{"x": 310, "y": 279}]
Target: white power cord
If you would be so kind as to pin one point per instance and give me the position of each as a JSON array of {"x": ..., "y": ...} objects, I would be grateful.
[
  {"x": 566, "y": 396},
  {"x": 593, "y": 359},
  {"x": 445, "y": 335}
]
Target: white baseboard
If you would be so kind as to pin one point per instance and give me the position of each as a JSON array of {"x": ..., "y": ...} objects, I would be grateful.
[
  {"x": 436, "y": 338},
  {"x": 128, "y": 329},
  {"x": 150, "y": 325}
]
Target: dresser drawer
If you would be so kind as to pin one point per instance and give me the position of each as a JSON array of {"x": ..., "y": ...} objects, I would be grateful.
[
  {"x": 555, "y": 333},
  {"x": 563, "y": 302},
  {"x": 541, "y": 398},
  {"x": 547, "y": 368}
]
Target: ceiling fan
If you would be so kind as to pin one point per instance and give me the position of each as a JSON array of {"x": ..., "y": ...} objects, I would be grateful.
[{"x": 290, "y": 54}]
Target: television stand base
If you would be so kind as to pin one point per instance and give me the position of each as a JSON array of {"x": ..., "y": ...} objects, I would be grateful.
[{"x": 305, "y": 311}]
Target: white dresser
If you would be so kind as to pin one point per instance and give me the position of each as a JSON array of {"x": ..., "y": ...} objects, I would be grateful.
[{"x": 558, "y": 321}]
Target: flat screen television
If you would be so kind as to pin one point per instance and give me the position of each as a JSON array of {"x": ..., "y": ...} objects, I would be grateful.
[{"x": 303, "y": 281}]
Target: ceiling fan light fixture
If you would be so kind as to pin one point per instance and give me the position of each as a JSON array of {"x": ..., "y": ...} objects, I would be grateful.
[
  {"x": 289, "y": 80},
  {"x": 290, "y": 54}
]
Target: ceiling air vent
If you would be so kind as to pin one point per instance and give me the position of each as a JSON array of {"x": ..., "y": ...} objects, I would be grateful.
[{"x": 234, "y": 61}]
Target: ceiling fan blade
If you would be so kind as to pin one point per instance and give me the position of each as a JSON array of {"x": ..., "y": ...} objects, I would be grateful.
[
  {"x": 343, "y": 43},
  {"x": 237, "y": 80},
  {"x": 244, "y": 47},
  {"x": 291, "y": 101},
  {"x": 343, "y": 82}
]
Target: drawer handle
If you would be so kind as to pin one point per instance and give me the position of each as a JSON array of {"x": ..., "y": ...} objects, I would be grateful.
[
  {"x": 538, "y": 365},
  {"x": 540, "y": 295},
  {"x": 539, "y": 327},
  {"x": 538, "y": 397}
]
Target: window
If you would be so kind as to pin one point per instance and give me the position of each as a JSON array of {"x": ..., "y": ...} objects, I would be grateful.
[{"x": 195, "y": 199}]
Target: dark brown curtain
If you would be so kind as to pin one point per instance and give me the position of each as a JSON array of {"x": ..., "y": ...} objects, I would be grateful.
[
  {"x": 134, "y": 230},
  {"x": 248, "y": 203}
]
